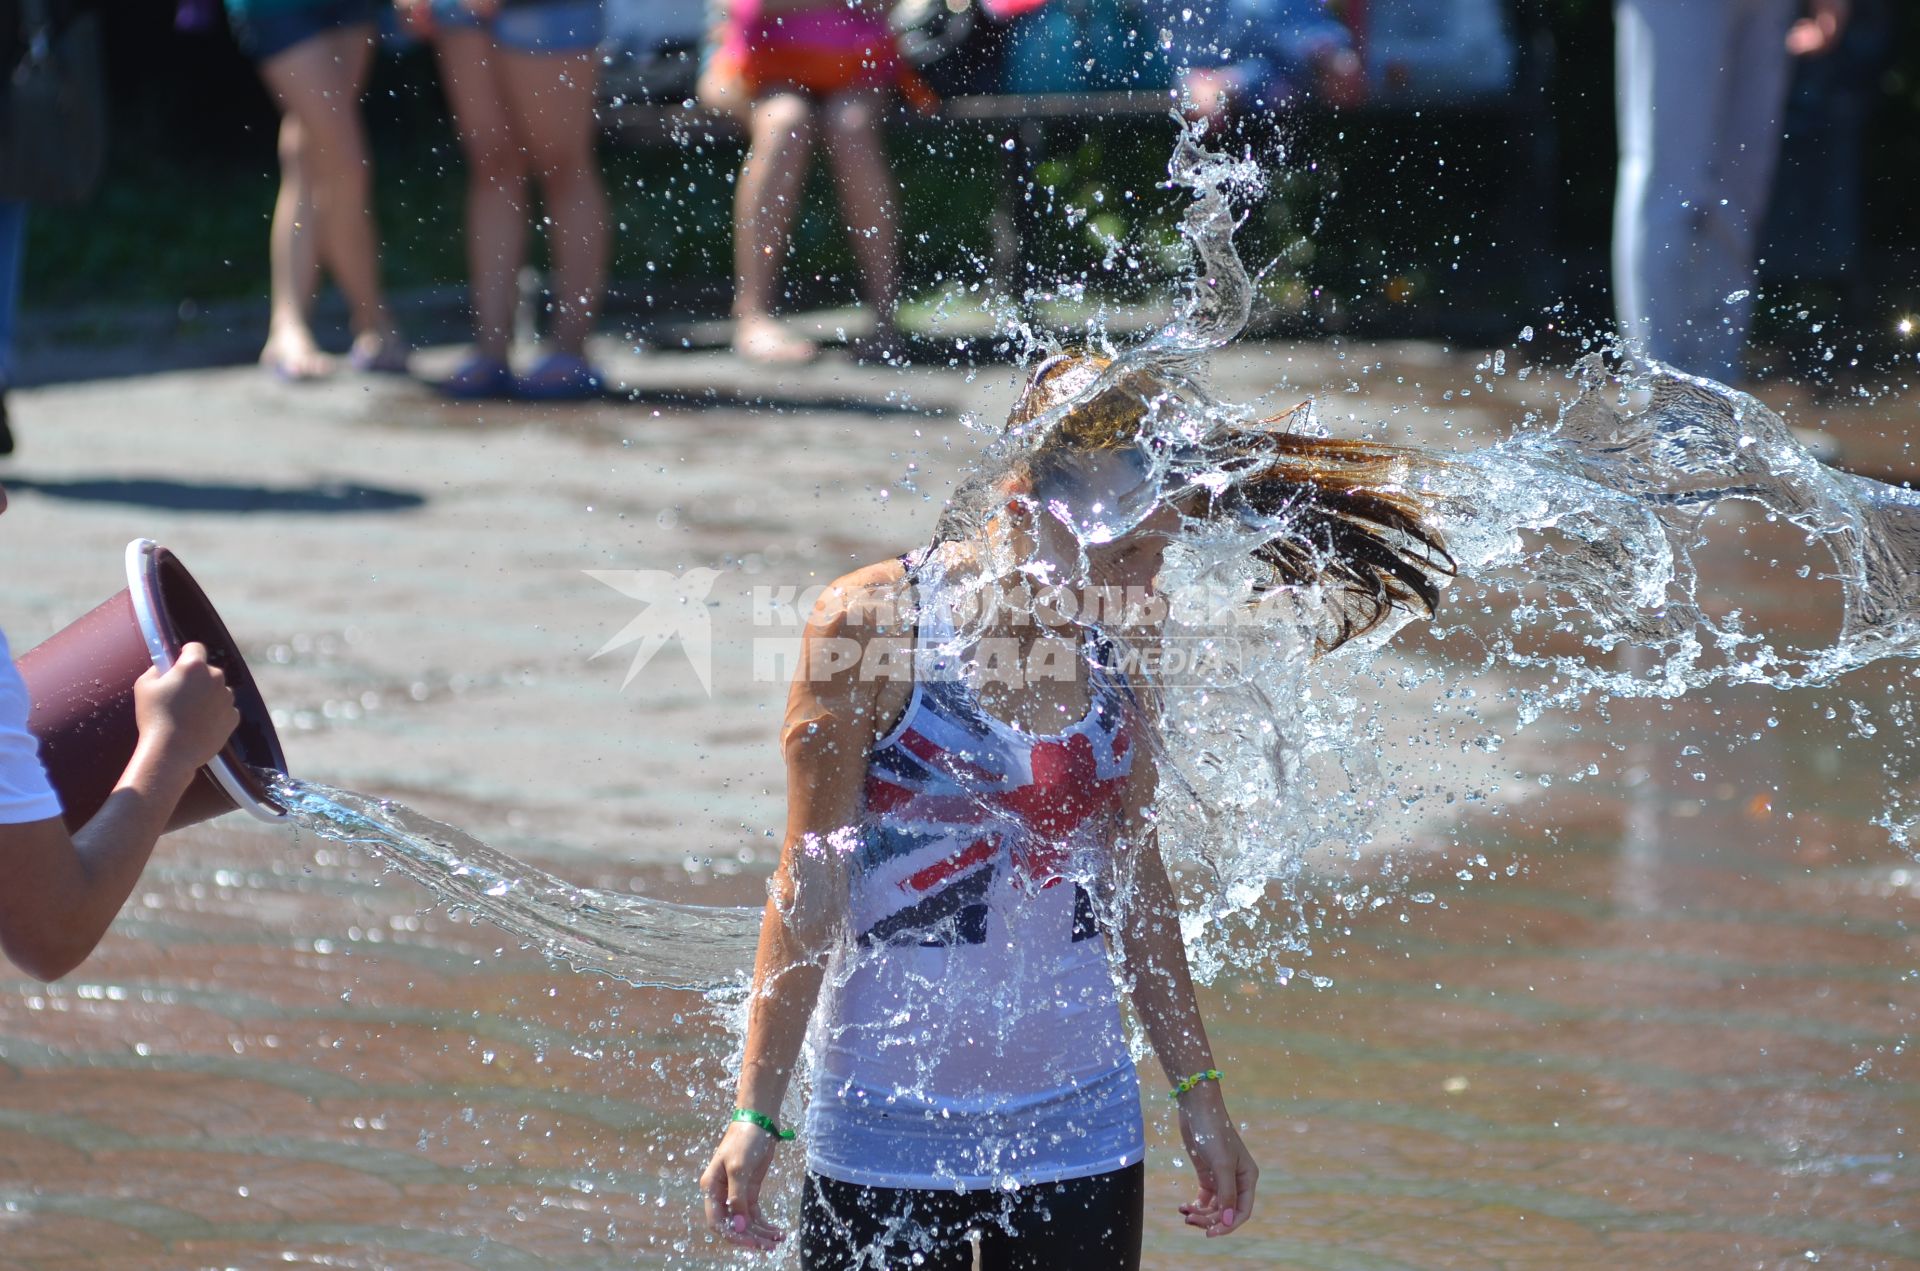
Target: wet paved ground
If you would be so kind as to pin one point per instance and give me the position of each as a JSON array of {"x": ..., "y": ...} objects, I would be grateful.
[{"x": 1677, "y": 1036}]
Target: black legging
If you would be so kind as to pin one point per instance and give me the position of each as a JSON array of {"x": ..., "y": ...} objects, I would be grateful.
[{"x": 1084, "y": 1223}]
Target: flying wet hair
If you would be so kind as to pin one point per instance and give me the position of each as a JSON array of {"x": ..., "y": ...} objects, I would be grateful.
[{"x": 1342, "y": 521}]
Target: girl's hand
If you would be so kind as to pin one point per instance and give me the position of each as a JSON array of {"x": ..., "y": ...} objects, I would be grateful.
[
  {"x": 186, "y": 715},
  {"x": 732, "y": 1186},
  {"x": 1225, "y": 1168}
]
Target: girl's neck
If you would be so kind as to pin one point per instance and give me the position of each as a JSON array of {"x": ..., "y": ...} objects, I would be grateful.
[{"x": 1013, "y": 599}]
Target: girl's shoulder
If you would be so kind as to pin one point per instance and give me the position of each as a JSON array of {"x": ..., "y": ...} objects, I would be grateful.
[
  {"x": 847, "y": 679},
  {"x": 874, "y": 600}
]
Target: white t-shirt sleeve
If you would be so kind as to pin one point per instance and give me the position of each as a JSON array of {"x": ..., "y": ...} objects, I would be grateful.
[{"x": 24, "y": 792}]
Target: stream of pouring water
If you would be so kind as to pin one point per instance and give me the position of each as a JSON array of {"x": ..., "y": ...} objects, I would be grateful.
[
  {"x": 1584, "y": 527},
  {"x": 639, "y": 940}
]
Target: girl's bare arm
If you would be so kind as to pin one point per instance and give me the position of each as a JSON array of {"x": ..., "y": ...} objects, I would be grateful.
[
  {"x": 830, "y": 727},
  {"x": 1154, "y": 959}
]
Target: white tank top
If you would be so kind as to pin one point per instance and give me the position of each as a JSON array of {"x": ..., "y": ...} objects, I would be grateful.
[{"x": 971, "y": 1034}]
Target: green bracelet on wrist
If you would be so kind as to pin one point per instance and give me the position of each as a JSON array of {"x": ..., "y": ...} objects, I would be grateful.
[
  {"x": 764, "y": 1121},
  {"x": 1185, "y": 1084}
]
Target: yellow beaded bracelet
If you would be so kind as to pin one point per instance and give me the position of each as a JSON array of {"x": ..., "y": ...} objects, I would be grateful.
[{"x": 1187, "y": 1083}]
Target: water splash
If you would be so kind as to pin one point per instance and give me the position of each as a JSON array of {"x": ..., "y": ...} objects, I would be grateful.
[
  {"x": 1579, "y": 535},
  {"x": 646, "y": 942},
  {"x": 1577, "y": 538},
  {"x": 1217, "y": 296},
  {"x": 1625, "y": 489},
  {"x": 1579, "y": 541}
]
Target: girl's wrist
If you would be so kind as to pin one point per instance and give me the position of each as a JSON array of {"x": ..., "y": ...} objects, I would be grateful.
[
  {"x": 1203, "y": 1111},
  {"x": 768, "y": 1094},
  {"x": 1206, "y": 1100},
  {"x": 1207, "y": 1078},
  {"x": 761, "y": 1122},
  {"x": 158, "y": 768}
]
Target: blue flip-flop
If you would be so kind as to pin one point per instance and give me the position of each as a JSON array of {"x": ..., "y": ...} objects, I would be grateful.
[
  {"x": 559, "y": 377},
  {"x": 479, "y": 378},
  {"x": 390, "y": 360}
]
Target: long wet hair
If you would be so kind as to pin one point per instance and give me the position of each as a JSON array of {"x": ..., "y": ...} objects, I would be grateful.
[{"x": 1353, "y": 527}]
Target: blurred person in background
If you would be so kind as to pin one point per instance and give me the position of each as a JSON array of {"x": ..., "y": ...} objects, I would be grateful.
[
  {"x": 1701, "y": 94},
  {"x": 1816, "y": 228},
  {"x": 1239, "y": 56},
  {"x": 659, "y": 38},
  {"x": 13, "y": 229},
  {"x": 53, "y": 136},
  {"x": 314, "y": 56},
  {"x": 1079, "y": 46},
  {"x": 808, "y": 69},
  {"x": 1435, "y": 50},
  {"x": 721, "y": 86},
  {"x": 13, "y": 238},
  {"x": 521, "y": 79}
]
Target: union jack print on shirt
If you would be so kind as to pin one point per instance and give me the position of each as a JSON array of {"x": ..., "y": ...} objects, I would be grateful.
[{"x": 955, "y": 799}]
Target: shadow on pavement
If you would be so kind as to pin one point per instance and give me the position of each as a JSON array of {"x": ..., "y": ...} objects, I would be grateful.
[
  {"x": 194, "y": 496},
  {"x": 789, "y": 400}
]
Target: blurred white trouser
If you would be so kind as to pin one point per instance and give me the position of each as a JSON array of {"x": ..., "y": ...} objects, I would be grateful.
[{"x": 1700, "y": 90}]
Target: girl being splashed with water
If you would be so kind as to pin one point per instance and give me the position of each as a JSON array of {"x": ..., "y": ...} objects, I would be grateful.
[{"x": 971, "y": 871}]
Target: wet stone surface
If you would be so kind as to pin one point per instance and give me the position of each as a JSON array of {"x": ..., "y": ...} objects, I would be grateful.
[{"x": 1677, "y": 1034}]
